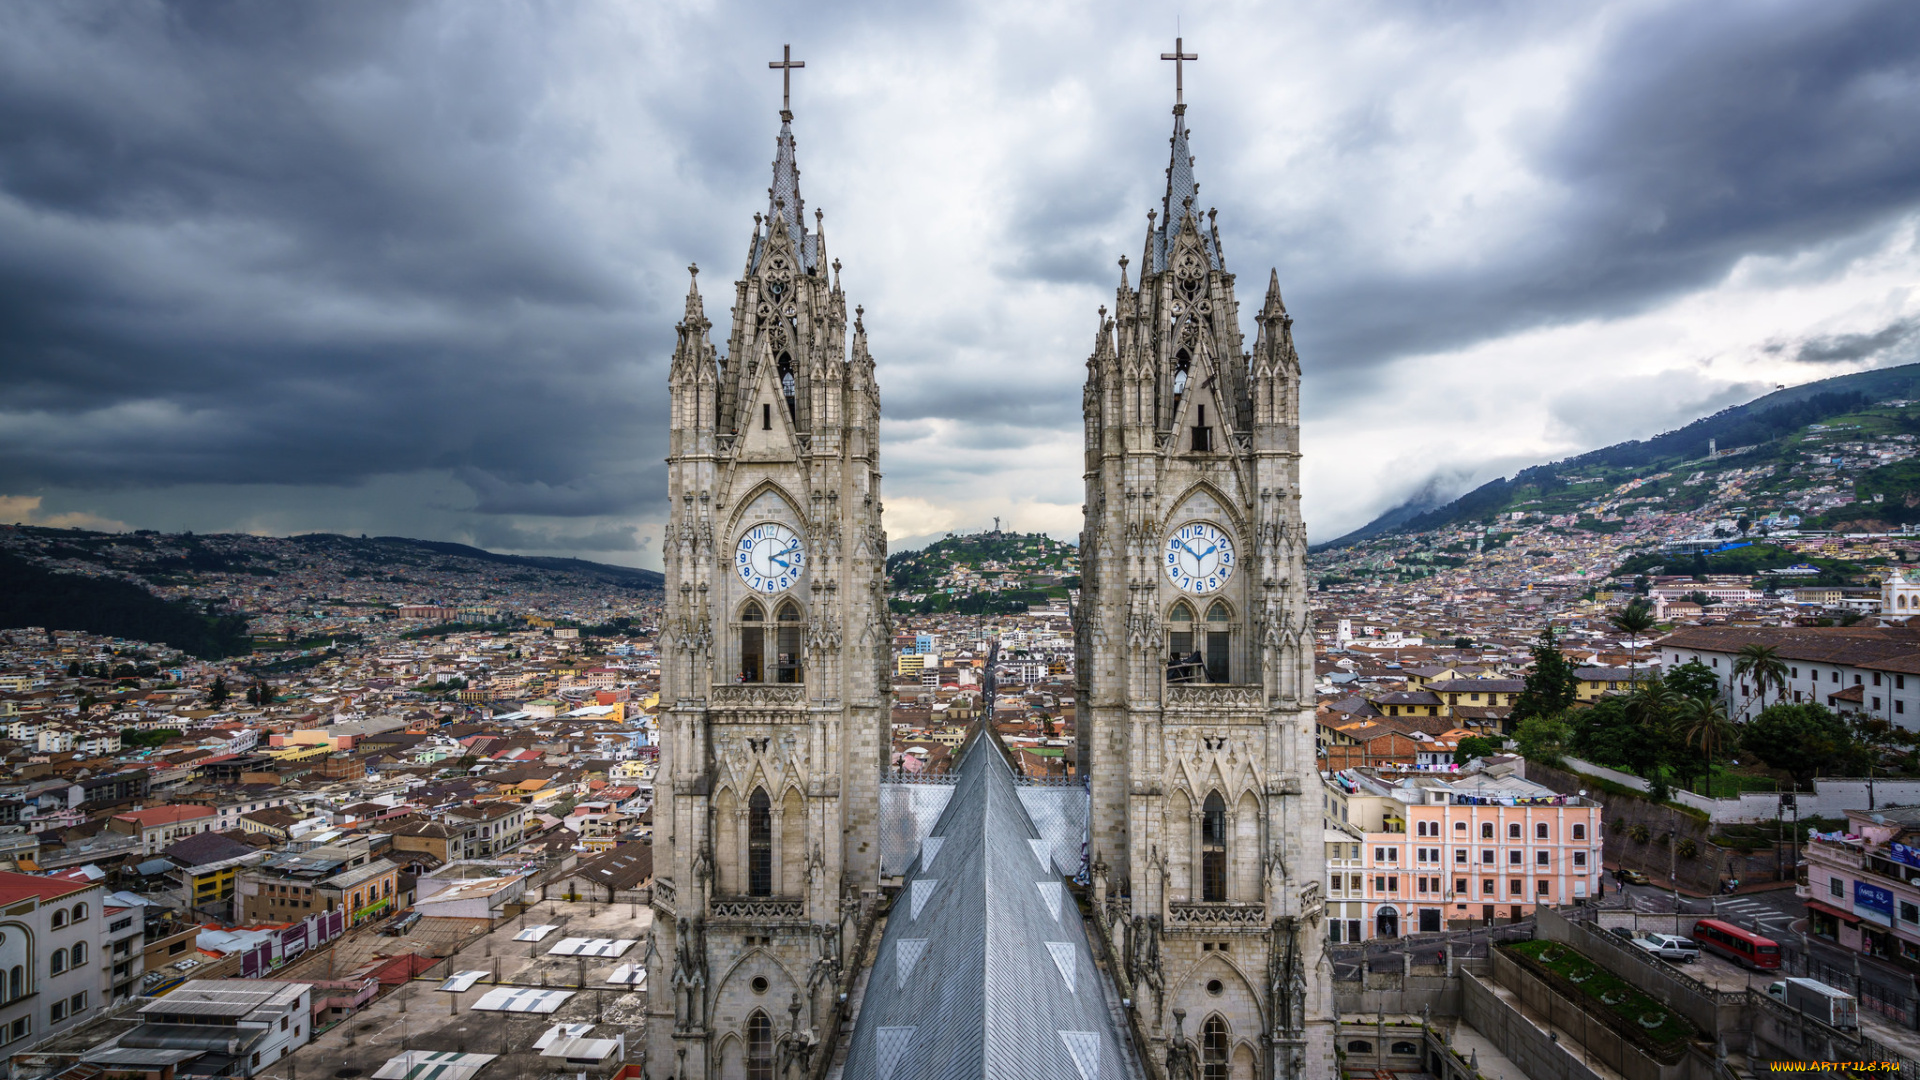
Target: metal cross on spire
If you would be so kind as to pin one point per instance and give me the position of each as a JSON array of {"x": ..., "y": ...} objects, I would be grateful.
[
  {"x": 786, "y": 64},
  {"x": 1179, "y": 88}
]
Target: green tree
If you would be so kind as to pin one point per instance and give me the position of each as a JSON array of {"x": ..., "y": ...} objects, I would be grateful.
[
  {"x": 1605, "y": 735},
  {"x": 1761, "y": 665},
  {"x": 1653, "y": 710},
  {"x": 217, "y": 694},
  {"x": 1551, "y": 687},
  {"x": 1634, "y": 620},
  {"x": 1543, "y": 738},
  {"x": 1474, "y": 746},
  {"x": 1705, "y": 728},
  {"x": 1800, "y": 740},
  {"x": 73, "y": 669},
  {"x": 1695, "y": 680}
]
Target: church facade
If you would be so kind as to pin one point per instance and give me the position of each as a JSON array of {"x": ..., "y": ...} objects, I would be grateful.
[
  {"x": 1195, "y": 650},
  {"x": 1194, "y": 700},
  {"x": 774, "y": 653}
]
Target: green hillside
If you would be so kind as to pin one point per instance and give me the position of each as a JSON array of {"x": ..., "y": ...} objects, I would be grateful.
[
  {"x": 982, "y": 573},
  {"x": 31, "y": 595},
  {"x": 1770, "y": 431}
]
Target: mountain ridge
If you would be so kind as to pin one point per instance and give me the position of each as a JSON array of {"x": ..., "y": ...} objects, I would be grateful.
[{"x": 1763, "y": 420}]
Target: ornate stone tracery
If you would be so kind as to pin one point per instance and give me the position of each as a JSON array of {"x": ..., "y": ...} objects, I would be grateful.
[
  {"x": 1199, "y": 824},
  {"x": 767, "y": 837}
]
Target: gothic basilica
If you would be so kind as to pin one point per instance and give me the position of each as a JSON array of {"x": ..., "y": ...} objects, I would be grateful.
[{"x": 814, "y": 916}]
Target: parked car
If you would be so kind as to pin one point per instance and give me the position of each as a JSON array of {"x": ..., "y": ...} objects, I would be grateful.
[
  {"x": 1669, "y": 947},
  {"x": 1631, "y": 877},
  {"x": 1621, "y": 932}
]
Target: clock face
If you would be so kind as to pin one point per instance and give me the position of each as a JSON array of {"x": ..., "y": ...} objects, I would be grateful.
[
  {"x": 1199, "y": 558},
  {"x": 769, "y": 558}
]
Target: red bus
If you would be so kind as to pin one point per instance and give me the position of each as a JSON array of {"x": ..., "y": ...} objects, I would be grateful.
[{"x": 1743, "y": 947}]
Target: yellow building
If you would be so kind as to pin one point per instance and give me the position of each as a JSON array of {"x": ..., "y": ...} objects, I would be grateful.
[
  {"x": 214, "y": 882},
  {"x": 1598, "y": 681}
]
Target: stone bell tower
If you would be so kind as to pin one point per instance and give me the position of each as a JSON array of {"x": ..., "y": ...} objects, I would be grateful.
[
  {"x": 773, "y": 663},
  {"x": 1195, "y": 656}
]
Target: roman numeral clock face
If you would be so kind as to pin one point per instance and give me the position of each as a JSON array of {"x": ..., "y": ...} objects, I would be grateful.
[
  {"x": 1199, "y": 558},
  {"x": 769, "y": 558}
]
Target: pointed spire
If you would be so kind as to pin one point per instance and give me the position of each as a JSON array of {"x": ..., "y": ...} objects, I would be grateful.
[
  {"x": 1274, "y": 305},
  {"x": 1183, "y": 192},
  {"x": 696, "y": 309},
  {"x": 785, "y": 208}
]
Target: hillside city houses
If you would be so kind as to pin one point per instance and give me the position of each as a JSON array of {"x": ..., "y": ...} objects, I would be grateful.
[{"x": 211, "y": 880}]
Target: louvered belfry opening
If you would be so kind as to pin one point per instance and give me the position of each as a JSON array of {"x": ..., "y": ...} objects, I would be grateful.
[
  {"x": 1213, "y": 849},
  {"x": 759, "y": 844}
]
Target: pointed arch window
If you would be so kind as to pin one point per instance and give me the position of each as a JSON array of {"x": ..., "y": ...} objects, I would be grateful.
[
  {"x": 1219, "y": 642},
  {"x": 1182, "y": 367},
  {"x": 1182, "y": 659},
  {"x": 786, "y": 385},
  {"x": 1214, "y": 1044},
  {"x": 1213, "y": 849},
  {"x": 786, "y": 661},
  {"x": 759, "y": 844},
  {"x": 753, "y": 643},
  {"x": 759, "y": 1047}
]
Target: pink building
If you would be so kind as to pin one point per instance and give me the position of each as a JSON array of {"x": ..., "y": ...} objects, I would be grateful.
[
  {"x": 1862, "y": 888},
  {"x": 1413, "y": 852}
]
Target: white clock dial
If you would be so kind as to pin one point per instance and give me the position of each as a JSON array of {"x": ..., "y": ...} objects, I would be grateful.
[
  {"x": 1199, "y": 558},
  {"x": 769, "y": 558}
]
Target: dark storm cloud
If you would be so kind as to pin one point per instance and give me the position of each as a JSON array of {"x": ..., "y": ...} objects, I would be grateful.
[
  {"x": 318, "y": 244},
  {"x": 1847, "y": 348},
  {"x": 1704, "y": 134},
  {"x": 258, "y": 243}
]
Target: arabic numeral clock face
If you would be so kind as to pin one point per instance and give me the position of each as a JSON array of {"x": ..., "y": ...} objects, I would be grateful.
[
  {"x": 769, "y": 558},
  {"x": 1199, "y": 558}
]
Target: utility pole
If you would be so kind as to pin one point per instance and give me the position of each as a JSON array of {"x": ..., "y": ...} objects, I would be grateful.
[{"x": 1673, "y": 872}]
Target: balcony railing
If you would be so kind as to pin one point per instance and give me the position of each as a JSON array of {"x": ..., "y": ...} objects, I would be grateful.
[
  {"x": 1849, "y": 855},
  {"x": 758, "y": 695},
  {"x": 1230, "y": 913},
  {"x": 755, "y": 909},
  {"x": 1215, "y": 697}
]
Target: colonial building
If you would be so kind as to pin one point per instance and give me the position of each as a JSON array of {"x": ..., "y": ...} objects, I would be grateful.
[
  {"x": 1195, "y": 661},
  {"x": 774, "y": 651},
  {"x": 1408, "y": 852}
]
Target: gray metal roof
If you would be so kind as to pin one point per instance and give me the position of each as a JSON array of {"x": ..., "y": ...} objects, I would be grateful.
[
  {"x": 1182, "y": 187},
  {"x": 984, "y": 969}
]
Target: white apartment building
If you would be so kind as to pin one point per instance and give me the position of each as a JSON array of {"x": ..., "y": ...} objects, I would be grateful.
[
  {"x": 1869, "y": 670},
  {"x": 57, "y": 956}
]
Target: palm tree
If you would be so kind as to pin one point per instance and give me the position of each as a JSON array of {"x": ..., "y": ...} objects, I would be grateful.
[
  {"x": 1634, "y": 619},
  {"x": 1761, "y": 664},
  {"x": 1705, "y": 726}
]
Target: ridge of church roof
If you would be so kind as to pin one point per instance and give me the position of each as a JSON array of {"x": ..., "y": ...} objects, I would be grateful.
[{"x": 984, "y": 967}]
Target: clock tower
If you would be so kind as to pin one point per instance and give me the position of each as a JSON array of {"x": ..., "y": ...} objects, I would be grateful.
[
  {"x": 1195, "y": 663},
  {"x": 773, "y": 655}
]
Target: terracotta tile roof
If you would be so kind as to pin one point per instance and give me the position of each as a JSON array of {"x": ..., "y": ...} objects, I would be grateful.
[{"x": 17, "y": 887}]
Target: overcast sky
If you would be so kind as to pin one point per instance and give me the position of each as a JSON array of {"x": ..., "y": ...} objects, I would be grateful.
[{"x": 413, "y": 268}]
